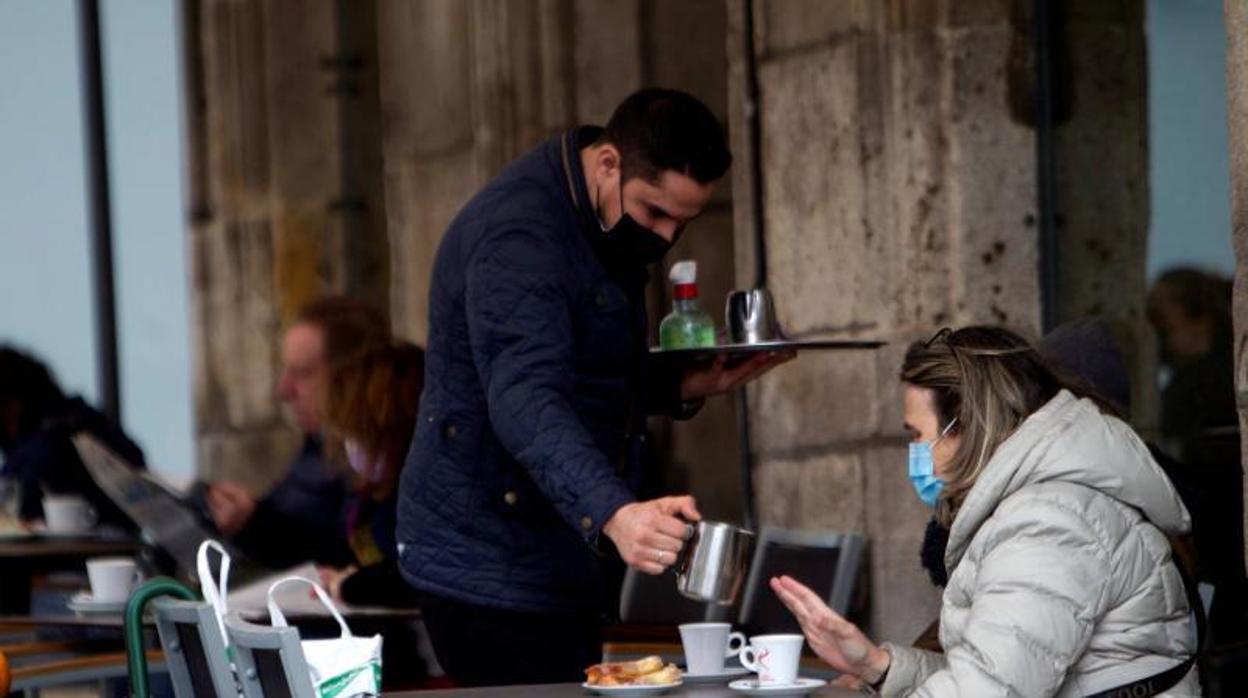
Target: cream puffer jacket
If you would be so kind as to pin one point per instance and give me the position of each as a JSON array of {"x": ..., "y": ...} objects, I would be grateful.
[{"x": 1058, "y": 584}]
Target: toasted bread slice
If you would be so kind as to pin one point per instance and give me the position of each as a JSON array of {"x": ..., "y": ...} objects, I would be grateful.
[
  {"x": 666, "y": 675},
  {"x": 622, "y": 670}
]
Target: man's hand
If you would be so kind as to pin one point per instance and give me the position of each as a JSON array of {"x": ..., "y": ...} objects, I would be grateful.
[
  {"x": 649, "y": 534},
  {"x": 231, "y": 506},
  {"x": 717, "y": 380}
]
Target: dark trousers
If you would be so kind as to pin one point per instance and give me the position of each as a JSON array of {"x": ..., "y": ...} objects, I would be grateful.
[{"x": 479, "y": 646}]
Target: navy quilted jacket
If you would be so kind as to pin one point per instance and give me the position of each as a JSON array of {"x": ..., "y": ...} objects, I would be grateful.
[{"x": 535, "y": 397}]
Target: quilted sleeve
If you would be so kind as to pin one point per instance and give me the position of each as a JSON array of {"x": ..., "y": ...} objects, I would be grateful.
[
  {"x": 1042, "y": 584},
  {"x": 521, "y": 335}
]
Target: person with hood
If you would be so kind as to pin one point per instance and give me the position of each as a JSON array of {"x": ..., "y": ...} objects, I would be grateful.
[{"x": 1060, "y": 577}]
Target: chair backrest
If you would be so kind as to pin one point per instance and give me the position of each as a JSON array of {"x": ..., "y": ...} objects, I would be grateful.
[
  {"x": 194, "y": 649},
  {"x": 270, "y": 660},
  {"x": 825, "y": 561},
  {"x": 654, "y": 599}
]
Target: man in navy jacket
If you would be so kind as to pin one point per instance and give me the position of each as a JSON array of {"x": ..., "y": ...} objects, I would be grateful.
[{"x": 520, "y": 484}]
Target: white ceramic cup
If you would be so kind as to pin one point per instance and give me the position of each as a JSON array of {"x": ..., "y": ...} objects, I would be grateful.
[
  {"x": 707, "y": 645},
  {"x": 774, "y": 658},
  {"x": 67, "y": 513},
  {"x": 112, "y": 578}
]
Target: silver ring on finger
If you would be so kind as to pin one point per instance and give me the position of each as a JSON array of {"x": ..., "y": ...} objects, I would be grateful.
[{"x": 658, "y": 556}]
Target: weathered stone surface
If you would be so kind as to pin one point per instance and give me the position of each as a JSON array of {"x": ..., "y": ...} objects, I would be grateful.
[
  {"x": 991, "y": 175},
  {"x": 673, "y": 58},
  {"x": 422, "y": 198},
  {"x": 607, "y": 54},
  {"x": 1236, "y": 14},
  {"x": 238, "y": 308},
  {"x": 822, "y": 492},
  {"x": 255, "y": 457},
  {"x": 815, "y": 194},
  {"x": 425, "y": 78},
  {"x": 816, "y": 399},
  {"x": 796, "y": 24}
]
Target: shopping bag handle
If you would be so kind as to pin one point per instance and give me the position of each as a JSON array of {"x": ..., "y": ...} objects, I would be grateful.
[
  {"x": 214, "y": 590},
  {"x": 278, "y": 619}
]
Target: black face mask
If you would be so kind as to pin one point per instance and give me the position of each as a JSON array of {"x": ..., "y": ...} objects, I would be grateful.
[{"x": 633, "y": 241}]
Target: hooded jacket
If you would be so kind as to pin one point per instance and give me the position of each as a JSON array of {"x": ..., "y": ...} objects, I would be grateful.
[{"x": 1061, "y": 581}]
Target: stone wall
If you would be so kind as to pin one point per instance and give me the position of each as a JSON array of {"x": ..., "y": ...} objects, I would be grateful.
[
  {"x": 1237, "y": 122},
  {"x": 899, "y": 189}
]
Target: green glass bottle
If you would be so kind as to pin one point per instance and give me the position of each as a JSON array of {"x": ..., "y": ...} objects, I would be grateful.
[{"x": 686, "y": 327}]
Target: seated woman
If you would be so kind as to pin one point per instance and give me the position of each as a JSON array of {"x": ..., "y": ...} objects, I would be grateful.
[
  {"x": 370, "y": 405},
  {"x": 1061, "y": 580}
]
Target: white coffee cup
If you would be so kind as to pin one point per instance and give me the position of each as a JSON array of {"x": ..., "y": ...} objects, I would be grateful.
[
  {"x": 68, "y": 513},
  {"x": 112, "y": 578},
  {"x": 774, "y": 658},
  {"x": 707, "y": 645}
]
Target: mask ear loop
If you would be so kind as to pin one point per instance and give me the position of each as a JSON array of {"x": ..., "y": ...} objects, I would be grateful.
[{"x": 945, "y": 431}]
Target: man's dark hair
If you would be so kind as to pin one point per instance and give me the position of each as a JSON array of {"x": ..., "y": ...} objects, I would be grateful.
[
  {"x": 657, "y": 130},
  {"x": 350, "y": 326},
  {"x": 27, "y": 385}
]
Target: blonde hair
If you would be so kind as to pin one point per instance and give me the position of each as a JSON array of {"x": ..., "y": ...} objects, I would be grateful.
[{"x": 990, "y": 380}]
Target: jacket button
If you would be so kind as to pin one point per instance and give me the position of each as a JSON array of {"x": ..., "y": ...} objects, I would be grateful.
[
  {"x": 587, "y": 523},
  {"x": 510, "y": 498},
  {"x": 451, "y": 431}
]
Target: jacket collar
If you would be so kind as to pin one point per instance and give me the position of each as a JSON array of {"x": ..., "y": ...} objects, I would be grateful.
[{"x": 1070, "y": 440}]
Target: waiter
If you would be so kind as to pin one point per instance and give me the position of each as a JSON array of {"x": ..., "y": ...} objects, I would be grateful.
[{"x": 519, "y": 488}]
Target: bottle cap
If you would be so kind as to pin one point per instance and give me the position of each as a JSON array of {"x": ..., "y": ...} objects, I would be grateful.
[{"x": 684, "y": 277}]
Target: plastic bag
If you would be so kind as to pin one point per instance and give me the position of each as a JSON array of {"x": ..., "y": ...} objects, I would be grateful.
[{"x": 347, "y": 665}]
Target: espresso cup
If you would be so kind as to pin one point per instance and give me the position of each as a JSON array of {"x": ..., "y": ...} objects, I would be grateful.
[
  {"x": 112, "y": 578},
  {"x": 67, "y": 513},
  {"x": 774, "y": 658},
  {"x": 707, "y": 645}
]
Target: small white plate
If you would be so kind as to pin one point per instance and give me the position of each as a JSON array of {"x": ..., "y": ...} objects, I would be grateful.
[
  {"x": 630, "y": 690},
  {"x": 800, "y": 687},
  {"x": 718, "y": 677},
  {"x": 84, "y": 604}
]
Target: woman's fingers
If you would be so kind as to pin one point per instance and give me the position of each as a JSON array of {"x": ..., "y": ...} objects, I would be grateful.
[{"x": 805, "y": 599}]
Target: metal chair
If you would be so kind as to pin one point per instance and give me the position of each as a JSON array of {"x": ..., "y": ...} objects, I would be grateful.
[
  {"x": 654, "y": 600},
  {"x": 194, "y": 649},
  {"x": 270, "y": 660},
  {"x": 825, "y": 561}
]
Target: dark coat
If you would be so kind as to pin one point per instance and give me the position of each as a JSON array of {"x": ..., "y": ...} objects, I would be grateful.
[
  {"x": 46, "y": 460},
  {"x": 303, "y": 517},
  {"x": 536, "y": 390}
]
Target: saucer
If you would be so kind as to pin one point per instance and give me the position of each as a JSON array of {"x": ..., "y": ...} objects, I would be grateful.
[
  {"x": 630, "y": 690},
  {"x": 800, "y": 687},
  {"x": 83, "y": 603},
  {"x": 718, "y": 677}
]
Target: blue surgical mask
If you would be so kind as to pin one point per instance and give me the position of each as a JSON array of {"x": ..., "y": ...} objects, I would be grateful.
[{"x": 923, "y": 471}]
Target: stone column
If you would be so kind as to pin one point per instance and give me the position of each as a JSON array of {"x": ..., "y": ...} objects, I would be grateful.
[
  {"x": 1237, "y": 122},
  {"x": 270, "y": 225}
]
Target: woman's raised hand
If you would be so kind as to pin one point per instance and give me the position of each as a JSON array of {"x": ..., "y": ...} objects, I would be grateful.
[{"x": 837, "y": 641}]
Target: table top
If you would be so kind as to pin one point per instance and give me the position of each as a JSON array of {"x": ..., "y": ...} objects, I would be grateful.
[
  {"x": 17, "y": 548},
  {"x": 571, "y": 690}
]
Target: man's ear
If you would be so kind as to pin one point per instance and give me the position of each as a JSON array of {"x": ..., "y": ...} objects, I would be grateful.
[{"x": 607, "y": 160}]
